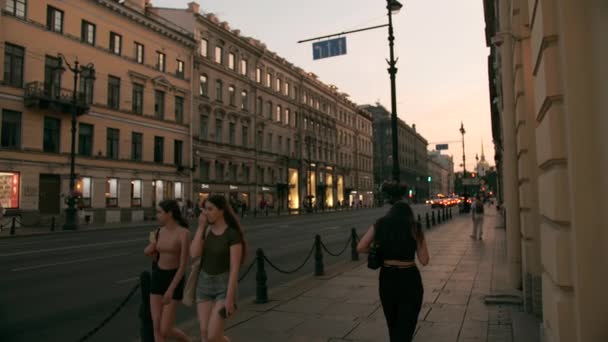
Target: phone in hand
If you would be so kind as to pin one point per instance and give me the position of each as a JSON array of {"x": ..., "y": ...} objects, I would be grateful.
[{"x": 222, "y": 312}]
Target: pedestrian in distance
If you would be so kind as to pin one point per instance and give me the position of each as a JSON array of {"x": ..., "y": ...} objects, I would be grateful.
[
  {"x": 220, "y": 243},
  {"x": 169, "y": 247},
  {"x": 477, "y": 209},
  {"x": 398, "y": 239}
]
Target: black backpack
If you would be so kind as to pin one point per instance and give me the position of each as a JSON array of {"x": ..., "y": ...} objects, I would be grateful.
[{"x": 478, "y": 208}]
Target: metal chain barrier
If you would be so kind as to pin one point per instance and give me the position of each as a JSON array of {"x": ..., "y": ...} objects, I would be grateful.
[
  {"x": 114, "y": 313},
  {"x": 247, "y": 272},
  {"x": 297, "y": 268},
  {"x": 338, "y": 254}
]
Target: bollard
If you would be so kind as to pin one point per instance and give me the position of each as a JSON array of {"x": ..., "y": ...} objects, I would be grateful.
[
  {"x": 145, "y": 317},
  {"x": 444, "y": 214},
  {"x": 439, "y": 216},
  {"x": 13, "y": 223},
  {"x": 261, "y": 289},
  {"x": 428, "y": 221},
  {"x": 433, "y": 218},
  {"x": 53, "y": 224},
  {"x": 354, "y": 255},
  {"x": 318, "y": 256},
  {"x": 450, "y": 213}
]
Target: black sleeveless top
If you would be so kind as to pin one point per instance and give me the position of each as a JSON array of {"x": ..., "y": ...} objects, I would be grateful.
[{"x": 395, "y": 242}]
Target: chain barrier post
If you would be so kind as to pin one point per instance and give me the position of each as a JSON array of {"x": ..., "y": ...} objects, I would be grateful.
[
  {"x": 443, "y": 214},
  {"x": 354, "y": 255},
  {"x": 13, "y": 223},
  {"x": 53, "y": 224},
  {"x": 433, "y": 217},
  {"x": 318, "y": 257},
  {"x": 145, "y": 316},
  {"x": 451, "y": 213},
  {"x": 428, "y": 221},
  {"x": 261, "y": 290}
]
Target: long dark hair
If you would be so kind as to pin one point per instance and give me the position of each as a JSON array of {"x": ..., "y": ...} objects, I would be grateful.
[
  {"x": 220, "y": 202},
  {"x": 399, "y": 225},
  {"x": 171, "y": 206}
]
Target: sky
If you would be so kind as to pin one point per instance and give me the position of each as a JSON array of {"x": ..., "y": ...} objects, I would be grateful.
[{"x": 442, "y": 68}]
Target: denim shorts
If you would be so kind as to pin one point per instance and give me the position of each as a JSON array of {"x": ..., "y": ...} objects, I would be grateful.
[{"x": 211, "y": 287}]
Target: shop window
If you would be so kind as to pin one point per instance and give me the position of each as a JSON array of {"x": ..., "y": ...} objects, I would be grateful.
[
  {"x": 136, "y": 191},
  {"x": 112, "y": 192},
  {"x": 178, "y": 192},
  {"x": 9, "y": 189},
  {"x": 83, "y": 186}
]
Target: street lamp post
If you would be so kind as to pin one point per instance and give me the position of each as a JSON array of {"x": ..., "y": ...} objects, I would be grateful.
[
  {"x": 393, "y": 7},
  {"x": 464, "y": 170},
  {"x": 77, "y": 69}
]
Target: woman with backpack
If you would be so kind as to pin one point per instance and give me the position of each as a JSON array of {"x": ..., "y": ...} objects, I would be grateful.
[{"x": 398, "y": 240}]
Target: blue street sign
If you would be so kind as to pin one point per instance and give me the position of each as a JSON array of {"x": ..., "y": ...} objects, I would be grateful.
[
  {"x": 329, "y": 48},
  {"x": 440, "y": 147}
]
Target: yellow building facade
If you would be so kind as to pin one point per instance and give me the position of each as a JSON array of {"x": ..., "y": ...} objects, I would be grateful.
[{"x": 548, "y": 85}]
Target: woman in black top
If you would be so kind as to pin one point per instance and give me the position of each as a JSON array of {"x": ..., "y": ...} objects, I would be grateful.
[{"x": 399, "y": 238}]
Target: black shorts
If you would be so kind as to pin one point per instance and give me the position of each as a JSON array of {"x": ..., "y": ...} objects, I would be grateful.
[{"x": 161, "y": 279}]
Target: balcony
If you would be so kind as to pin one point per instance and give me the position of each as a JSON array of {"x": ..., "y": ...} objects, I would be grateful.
[{"x": 48, "y": 96}]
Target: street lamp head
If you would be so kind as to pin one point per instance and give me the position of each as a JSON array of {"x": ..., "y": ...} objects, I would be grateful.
[
  {"x": 394, "y": 6},
  {"x": 462, "y": 131}
]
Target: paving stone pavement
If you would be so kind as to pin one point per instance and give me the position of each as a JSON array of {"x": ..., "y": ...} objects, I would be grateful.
[{"x": 344, "y": 305}]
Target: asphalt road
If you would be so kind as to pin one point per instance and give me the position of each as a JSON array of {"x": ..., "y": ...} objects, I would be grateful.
[{"x": 58, "y": 287}]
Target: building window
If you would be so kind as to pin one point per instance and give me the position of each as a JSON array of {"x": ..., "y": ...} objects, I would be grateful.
[
  {"x": 204, "y": 86},
  {"x": 280, "y": 143},
  {"x": 219, "y": 55},
  {"x": 204, "y": 47},
  {"x": 246, "y": 174},
  {"x": 244, "y": 101},
  {"x": 232, "y": 170},
  {"x": 268, "y": 80},
  {"x": 136, "y": 146},
  {"x": 160, "y": 61},
  {"x": 159, "y": 104},
  {"x": 112, "y": 192},
  {"x": 52, "y": 132},
  {"x": 279, "y": 113},
  {"x": 219, "y": 86},
  {"x": 232, "y": 133},
  {"x": 13, "y": 65},
  {"x": 245, "y": 136},
  {"x": 54, "y": 19},
  {"x": 178, "y": 149},
  {"x": 159, "y": 149},
  {"x": 218, "y": 130},
  {"x": 278, "y": 85},
  {"x": 83, "y": 184},
  {"x": 112, "y": 139},
  {"x": 136, "y": 193},
  {"x": 288, "y": 147},
  {"x": 113, "y": 92},
  {"x": 259, "y": 140},
  {"x": 259, "y": 106},
  {"x": 269, "y": 143},
  {"x": 16, "y": 8},
  {"x": 115, "y": 43},
  {"x": 258, "y": 75},
  {"x": 178, "y": 190},
  {"x": 139, "y": 53},
  {"x": 287, "y": 89},
  {"x": 269, "y": 110},
  {"x": 87, "y": 34},
  {"x": 204, "y": 170},
  {"x": 138, "y": 98},
  {"x": 10, "y": 135},
  {"x": 180, "y": 69},
  {"x": 231, "y": 96},
  {"x": 287, "y": 115},
  {"x": 204, "y": 127},
  {"x": 244, "y": 67},
  {"x": 231, "y": 64},
  {"x": 85, "y": 140},
  {"x": 87, "y": 85},
  {"x": 179, "y": 109}
]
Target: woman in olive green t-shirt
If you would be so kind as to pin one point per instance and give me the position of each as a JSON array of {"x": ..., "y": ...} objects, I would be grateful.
[{"x": 220, "y": 243}]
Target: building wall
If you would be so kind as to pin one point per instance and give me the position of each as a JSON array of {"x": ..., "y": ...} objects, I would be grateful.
[
  {"x": 30, "y": 160},
  {"x": 319, "y": 143},
  {"x": 558, "y": 86}
]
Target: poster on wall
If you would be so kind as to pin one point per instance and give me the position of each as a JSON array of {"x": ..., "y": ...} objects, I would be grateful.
[{"x": 9, "y": 189}]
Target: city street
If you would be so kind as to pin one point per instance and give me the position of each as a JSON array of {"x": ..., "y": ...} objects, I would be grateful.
[{"x": 57, "y": 287}]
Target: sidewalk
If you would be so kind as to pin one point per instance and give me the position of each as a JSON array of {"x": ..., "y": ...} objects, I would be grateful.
[{"x": 344, "y": 305}]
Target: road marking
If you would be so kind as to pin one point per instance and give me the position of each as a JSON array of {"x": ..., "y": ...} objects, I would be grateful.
[
  {"x": 330, "y": 228},
  {"x": 67, "y": 262},
  {"x": 128, "y": 280},
  {"x": 73, "y": 247}
]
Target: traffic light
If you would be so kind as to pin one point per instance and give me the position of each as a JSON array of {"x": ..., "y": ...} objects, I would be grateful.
[
  {"x": 429, "y": 178},
  {"x": 411, "y": 193}
]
